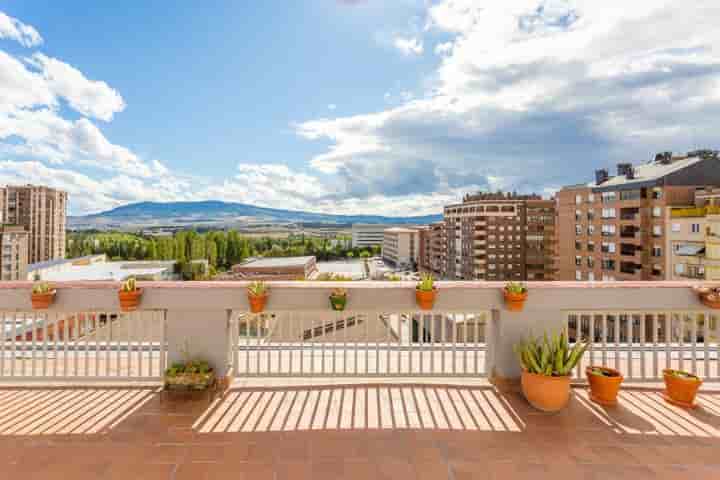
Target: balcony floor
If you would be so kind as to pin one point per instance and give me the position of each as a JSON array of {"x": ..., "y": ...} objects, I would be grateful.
[{"x": 347, "y": 431}]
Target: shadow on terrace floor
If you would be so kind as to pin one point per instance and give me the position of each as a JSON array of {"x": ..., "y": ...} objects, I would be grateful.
[{"x": 351, "y": 431}]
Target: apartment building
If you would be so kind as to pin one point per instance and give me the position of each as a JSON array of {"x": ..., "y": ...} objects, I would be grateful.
[
  {"x": 401, "y": 247},
  {"x": 693, "y": 243},
  {"x": 14, "y": 258},
  {"x": 432, "y": 249},
  {"x": 368, "y": 234},
  {"x": 615, "y": 228},
  {"x": 496, "y": 236},
  {"x": 42, "y": 211}
]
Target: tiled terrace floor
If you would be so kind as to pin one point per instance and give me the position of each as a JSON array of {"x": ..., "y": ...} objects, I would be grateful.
[{"x": 350, "y": 432}]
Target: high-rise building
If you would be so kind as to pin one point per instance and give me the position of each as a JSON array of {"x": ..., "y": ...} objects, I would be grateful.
[
  {"x": 14, "y": 255},
  {"x": 42, "y": 211},
  {"x": 368, "y": 234},
  {"x": 401, "y": 247},
  {"x": 432, "y": 248},
  {"x": 615, "y": 228},
  {"x": 496, "y": 236}
]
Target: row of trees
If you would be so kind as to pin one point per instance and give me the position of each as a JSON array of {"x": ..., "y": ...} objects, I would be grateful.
[{"x": 220, "y": 248}]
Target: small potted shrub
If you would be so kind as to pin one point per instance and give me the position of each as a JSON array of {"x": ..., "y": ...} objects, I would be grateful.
[
  {"x": 710, "y": 297},
  {"x": 129, "y": 295},
  {"x": 546, "y": 366},
  {"x": 43, "y": 295},
  {"x": 189, "y": 375},
  {"x": 338, "y": 299},
  {"x": 604, "y": 384},
  {"x": 515, "y": 294},
  {"x": 257, "y": 296},
  {"x": 426, "y": 292},
  {"x": 681, "y": 388}
]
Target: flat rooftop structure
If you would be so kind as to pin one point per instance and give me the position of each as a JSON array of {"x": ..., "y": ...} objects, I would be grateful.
[
  {"x": 354, "y": 269},
  {"x": 112, "y": 271},
  {"x": 276, "y": 262},
  {"x": 277, "y": 268},
  {"x": 401, "y": 230}
]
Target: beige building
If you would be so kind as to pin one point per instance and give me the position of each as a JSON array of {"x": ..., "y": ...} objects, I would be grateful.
[
  {"x": 42, "y": 211},
  {"x": 14, "y": 257},
  {"x": 616, "y": 228},
  {"x": 693, "y": 243},
  {"x": 401, "y": 247}
]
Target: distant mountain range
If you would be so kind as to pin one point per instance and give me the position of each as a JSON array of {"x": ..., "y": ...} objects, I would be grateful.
[{"x": 221, "y": 213}]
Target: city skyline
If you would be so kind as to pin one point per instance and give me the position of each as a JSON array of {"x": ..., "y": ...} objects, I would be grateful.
[{"x": 346, "y": 106}]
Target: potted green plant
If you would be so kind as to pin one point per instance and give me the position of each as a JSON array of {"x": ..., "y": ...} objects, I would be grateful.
[
  {"x": 190, "y": 374},
  {"x": 426, "y": 292},
  {"x": 710, "y": 297},
  {"x": 681, "y": 388},
  {"x": 604, "y": 384},
  {"x": 338, "y": 299},
  {"x": 515, "y": 294},
  {"x": 546, "y": 366},
  {"x": 129, "y": 295},
  {"x": 257, "y": 293},
  {"x": 43, "y": 295}
]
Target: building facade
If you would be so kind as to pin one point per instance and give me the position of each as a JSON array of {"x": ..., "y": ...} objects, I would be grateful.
[
  {"x": 281, "y": 268},
  {"x": 42, "y": 211},
  {"x": 368, "y": 235},
  {"x": 14, "y": 258},
  {"x": 401, "y": 247},
  {"x": 616, "y": 228},
  {"x": 495, "y": 236}
]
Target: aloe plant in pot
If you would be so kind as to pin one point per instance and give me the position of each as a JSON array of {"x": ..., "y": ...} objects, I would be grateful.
[
  {"x": 43, "y": 295},
  {"x": 426, "y": 292},
  {"x": 338, "y": 299},
  {"x": 515, "y": 294},
  {"x": 546, "y": 366},
  {"x": 258, "y": 293},
  {"x": 129, "y": 295}
]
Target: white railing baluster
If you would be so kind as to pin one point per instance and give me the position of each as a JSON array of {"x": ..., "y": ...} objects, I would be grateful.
[
  {"x": 706, "y": 351},
  {"x": 642, "y": 345},
  {"x": 655, "y": 327},
  {"x": 681, "y": 342},
  {"x": 693, "y": 341}
]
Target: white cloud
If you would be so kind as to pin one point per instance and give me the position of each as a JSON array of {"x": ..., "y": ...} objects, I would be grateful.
[
  {"x": 89, "y": 97},
  {"x": 443, "y": 48},
  {"x": 408, "y": 46},
  {"x": 532, "y": 94},
  {"x": 13, "y": 29}
]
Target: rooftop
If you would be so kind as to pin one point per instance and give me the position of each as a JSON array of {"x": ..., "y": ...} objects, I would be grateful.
[
  {"x": 276, "y": 262},
  {"x": 401, "y": 230},
  {"x": 649, "y": 172}
]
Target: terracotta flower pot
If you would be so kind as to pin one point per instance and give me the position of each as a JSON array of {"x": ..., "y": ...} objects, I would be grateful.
[
  {"x": 681, "y": 391},
  {"x": 515, "y": 302},
  {"x": 425, "y": 299},
  {"x": 41, "y": 301},
  {"x": 604, "y": 389},
  {"x": 338, "y": 302},
  {"x": 710, "y": 300},
  {"x": 257, "y": 302},
  {"x": 129, "y": 301},
  {"x": 548, "y": 394}
]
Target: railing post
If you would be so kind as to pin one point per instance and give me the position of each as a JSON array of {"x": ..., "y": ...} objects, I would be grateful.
[{"x": 204, "y": 334}]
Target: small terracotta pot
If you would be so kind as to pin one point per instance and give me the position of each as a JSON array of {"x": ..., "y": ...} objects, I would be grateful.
[
  {"x": 604, "y": 390},
  {"x": 710, "y": 301},
  {"x": 548, "y": 394},
  {"x": 257, "y": 302},
  {"x": 129, "y": 301},
  {"x": 515, "y": 302},
  {"x": 41, "y": 301},
  {"x": 681, "y": 391},
  {"x": 338, "y": 302},
  {"x": 425, "y": 299}
]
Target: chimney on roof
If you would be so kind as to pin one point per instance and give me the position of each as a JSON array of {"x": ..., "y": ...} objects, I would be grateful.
[
  {"x": 623, "y": 169},
  {"x": 664, "y": 158},
  {"x": 601, "y": 176}
]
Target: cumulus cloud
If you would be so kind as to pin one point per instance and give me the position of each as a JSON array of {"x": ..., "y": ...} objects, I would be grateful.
[
  {"x": 534, "y": 94},
  {"x": 13, "y": 29},
  {"x": 408, "y": 46}
]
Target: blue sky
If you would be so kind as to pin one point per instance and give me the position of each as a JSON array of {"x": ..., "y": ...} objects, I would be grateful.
[{"x": 353, "y": 106}]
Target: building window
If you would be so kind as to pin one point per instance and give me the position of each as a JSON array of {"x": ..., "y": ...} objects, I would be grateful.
[
  {"x": 657, "y": 231},
  {"x": 578, "y": 199},
  {"x": 608, "y": 264},
  {"x": 608, "y": 230},
  {"x": 591, "y": 197},
  {"x": 695, "y": 228},
  {"x": 608, "y": 197},
  {"x": 578, "y": 229},
  {"x": 578, "y": 215},
  {"x": 591, "y": 229},
  {"x": 591, "y": 215},
  {"x": 656, "y": 193},
  {"x": 608, "y": 213},
  {"x": 578, "y": 245},
  {"x": 591, "y": 246},
  {"x": 578, "y": 275},
  {"x": 680, "y": 268},
  {"x": 657, "y": 251},
  {"x": 675, "y": 227},
  {"x": 578, "y": 260},
  {"x": 590, "y": 262},
  {"x": 607, "y": 247},
  {"x": 656, "y": 212},
  {"x": 591, "y": 276}
]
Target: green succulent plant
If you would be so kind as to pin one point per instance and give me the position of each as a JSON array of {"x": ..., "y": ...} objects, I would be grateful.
[
  {"x": 550, "y": 356},
  {"x": 515, "y": 287},
  {"x": 42, "y": 288},
  {"x": 129, "y": 285},
  {"x": 257, "y": 288},
  {"x": 426, "y": 283}
]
